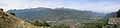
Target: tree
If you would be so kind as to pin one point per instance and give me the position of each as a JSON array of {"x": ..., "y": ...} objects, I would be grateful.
[
  {"x": 1, "y": 9},
  {"x": 12, "y": 13},
  {"x": 118, "y": 13}
]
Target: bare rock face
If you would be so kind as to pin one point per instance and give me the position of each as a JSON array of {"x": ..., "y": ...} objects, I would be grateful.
[{"x": 114, "y": 21}]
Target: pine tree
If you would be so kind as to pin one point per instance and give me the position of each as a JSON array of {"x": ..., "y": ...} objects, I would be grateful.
[{"x": 118, "y": 13}]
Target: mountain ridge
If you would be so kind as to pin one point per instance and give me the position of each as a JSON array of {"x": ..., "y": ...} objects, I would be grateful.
[{"x": 47, "y": 12}]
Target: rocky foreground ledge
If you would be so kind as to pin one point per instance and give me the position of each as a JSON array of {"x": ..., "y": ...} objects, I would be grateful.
[{"x": 10, "y": 21}]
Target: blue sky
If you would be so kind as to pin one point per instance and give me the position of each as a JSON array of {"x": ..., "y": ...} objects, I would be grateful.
[{"x": 105, "y": 6}]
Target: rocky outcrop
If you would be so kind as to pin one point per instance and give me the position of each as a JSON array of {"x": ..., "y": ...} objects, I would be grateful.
[{"x": 113, "y": 23}]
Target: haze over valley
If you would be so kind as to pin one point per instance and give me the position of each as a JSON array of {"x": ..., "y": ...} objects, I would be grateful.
[{"x": 59, "y": 13}]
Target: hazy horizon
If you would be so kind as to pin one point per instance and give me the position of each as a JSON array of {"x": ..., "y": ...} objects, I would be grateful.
[{"x": 103, "y": 6}]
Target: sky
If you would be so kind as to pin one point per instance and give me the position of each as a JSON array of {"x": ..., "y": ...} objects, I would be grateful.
[{"x": 104, "y": 6}]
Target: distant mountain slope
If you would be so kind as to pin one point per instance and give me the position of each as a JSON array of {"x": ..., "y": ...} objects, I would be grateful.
[{"x": 55, "y": 14}]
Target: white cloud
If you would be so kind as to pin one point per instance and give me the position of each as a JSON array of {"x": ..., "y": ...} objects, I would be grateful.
[{"x": 105, "y": 7}]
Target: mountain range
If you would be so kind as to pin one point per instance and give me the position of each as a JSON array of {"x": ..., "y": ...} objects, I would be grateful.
[{"x": 56, "y": 14}]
